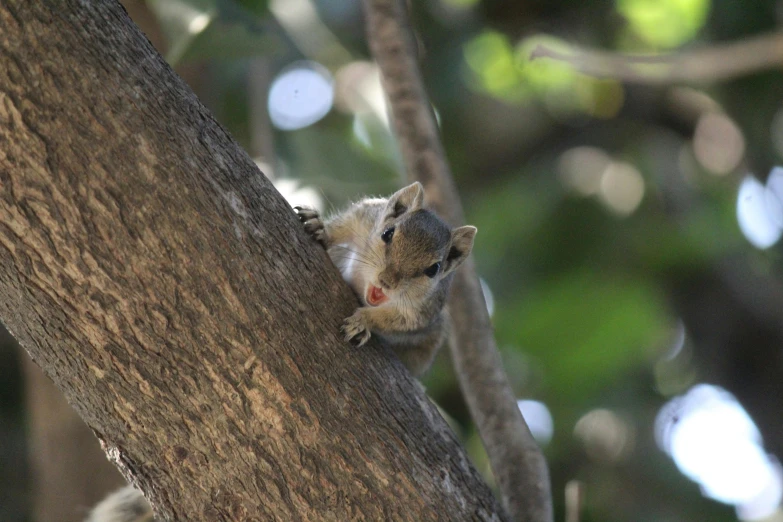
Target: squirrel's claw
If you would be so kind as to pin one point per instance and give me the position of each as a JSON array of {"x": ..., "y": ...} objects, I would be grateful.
[
  {"x": 355, "y": 329},
  {"x": 313, "y": 224},
  {"x": 306, "y": 213}
]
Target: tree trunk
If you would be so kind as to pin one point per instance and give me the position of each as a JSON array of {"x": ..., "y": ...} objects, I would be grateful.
[{"x": 167, "y": 289}]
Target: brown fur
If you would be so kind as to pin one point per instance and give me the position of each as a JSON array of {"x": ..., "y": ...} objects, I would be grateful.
[{"x": 412, "y": 320}]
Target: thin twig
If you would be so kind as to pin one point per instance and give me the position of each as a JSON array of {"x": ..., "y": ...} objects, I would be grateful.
[
  {"x": 707, "y": 65},
  {"x": 517, "y": 461},
  {"x": 574, "y": 500}
]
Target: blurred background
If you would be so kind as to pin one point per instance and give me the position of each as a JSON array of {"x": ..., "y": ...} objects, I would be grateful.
[{"x": 629, "y": 212}]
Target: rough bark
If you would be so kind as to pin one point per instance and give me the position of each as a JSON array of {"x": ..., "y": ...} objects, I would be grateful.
[
  {"x": 69, "y": 472},
  {"x": 167, "y": 289},
  {"x": 517, "y": 462}
]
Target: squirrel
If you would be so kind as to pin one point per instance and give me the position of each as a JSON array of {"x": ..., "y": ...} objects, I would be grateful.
[
  {"x": 124, "y": 505},
  {"x": 399, "y": 258}
]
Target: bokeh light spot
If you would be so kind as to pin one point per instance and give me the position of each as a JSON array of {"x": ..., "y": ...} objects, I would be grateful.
[
  {"x": 718, "y": 143},
  {"x": 758, "y": 209},
  {"x": 714, "y": 442},
  {"x": 605, "y": 435},
  {"x": 199, "y": 22},
  {"x": 622, "y": 188},
  {"x": 300, "y": 95},
  {"x": 664, "y": 23},
  {"x": 582, "y": 168},
  {"x": 774, "y": 196},
  {"x": 491, "y": 63},
  {"x": 538, "y": 419},
  {"x": 297, "y": 195}
]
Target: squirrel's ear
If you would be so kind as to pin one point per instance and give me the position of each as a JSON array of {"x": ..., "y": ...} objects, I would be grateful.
[
  {"x": 461, "y": 245},
  {"x": 407, "y": 199}
]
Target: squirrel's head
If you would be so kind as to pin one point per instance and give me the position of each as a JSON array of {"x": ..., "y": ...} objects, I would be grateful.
[{"x": 416, "y": 249}]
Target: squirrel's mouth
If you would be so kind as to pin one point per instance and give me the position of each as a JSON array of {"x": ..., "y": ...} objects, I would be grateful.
[{"x": 375, "y": 296}]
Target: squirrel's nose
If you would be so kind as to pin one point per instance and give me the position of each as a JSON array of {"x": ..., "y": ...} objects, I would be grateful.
[{"x": 388, "y": 280}]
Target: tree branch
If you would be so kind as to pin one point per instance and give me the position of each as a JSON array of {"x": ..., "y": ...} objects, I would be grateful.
[
  {"x": 168, "y": 290},
  {"x": 708, "y": 65},
  {"x": 516, "y": 459}
]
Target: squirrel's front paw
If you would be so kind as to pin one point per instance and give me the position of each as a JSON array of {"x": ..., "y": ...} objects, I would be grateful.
[
  {"x": 356, "y": 329},
  {"x": 313, "y": 224}
]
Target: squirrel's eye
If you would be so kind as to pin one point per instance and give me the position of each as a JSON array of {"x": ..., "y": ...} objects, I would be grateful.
[
  {"x": 432, "y": 271},
  {"x": 387, "y": 234}
]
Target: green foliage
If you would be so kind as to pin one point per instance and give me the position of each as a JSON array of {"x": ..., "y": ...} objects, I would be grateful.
[
  {"x": 585, "y": 329},
  {"x": 492, "y": 66},
  {"x": 511, "y": 74},
  {"x": 664, "y": 23}
]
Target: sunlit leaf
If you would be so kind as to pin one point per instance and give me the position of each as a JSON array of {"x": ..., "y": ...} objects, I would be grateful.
[
  {"x": 665, "y": 23},
  {"x": 491, "y": 66},
  {"x": 545, "y": 74}
]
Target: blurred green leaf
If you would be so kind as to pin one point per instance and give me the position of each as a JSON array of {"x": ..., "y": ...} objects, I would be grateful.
[
  {"x": 491, "y": 67},
  {"x": 507, "y": 217},
  {"x": 663, "y": 245},
  {"x": 585, "y": 328},
  {"x": 543, "y": 74},
  {"x": 665, "y": 23}
]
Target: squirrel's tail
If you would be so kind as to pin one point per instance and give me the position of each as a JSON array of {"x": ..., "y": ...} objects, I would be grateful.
[{"x": 124, "y": 505}]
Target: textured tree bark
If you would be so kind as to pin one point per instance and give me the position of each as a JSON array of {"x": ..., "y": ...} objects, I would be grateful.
[
  {"x": 167, "y": 289},
  {"x": 517, "y": 461},
  {"x": 69, "y": 472}
]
